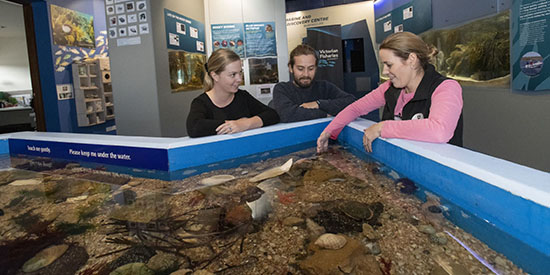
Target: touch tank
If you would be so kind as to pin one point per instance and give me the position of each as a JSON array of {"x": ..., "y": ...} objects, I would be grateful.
[
  {"x": 262, "y": 202},
  {"x": 322, "y": 214}
]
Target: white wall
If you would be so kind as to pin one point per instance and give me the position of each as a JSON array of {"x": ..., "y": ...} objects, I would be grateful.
[
  {"x": 248, "y": 11},
  {"x": 14, "y": 62}
]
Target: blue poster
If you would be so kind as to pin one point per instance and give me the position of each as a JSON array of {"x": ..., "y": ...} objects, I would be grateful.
[
  {"x": 415, "y": 17},
  {"x": 260, "y": 39},
  {"x": 228, "y": 36},
  {"x": 530, "y": 51},
  {"x": 183, "y": 33}
]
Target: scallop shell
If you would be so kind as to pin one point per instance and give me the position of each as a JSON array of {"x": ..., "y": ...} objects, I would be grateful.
[
  {"x": 331, "y": 241},
  {"x": 215, "y": 180},
  {"x": 273, "y": 172}
]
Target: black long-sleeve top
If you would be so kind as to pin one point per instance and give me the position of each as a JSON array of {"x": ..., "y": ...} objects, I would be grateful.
[
  {"x": 288, "y": 97},
  {"x": 204, "y": 117}
]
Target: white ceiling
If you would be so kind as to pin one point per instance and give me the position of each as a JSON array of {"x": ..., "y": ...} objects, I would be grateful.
[{"x": 12, "y": 23}]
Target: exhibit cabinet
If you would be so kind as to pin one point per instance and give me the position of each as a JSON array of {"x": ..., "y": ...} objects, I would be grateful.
[{"x": 93, "y": 93}]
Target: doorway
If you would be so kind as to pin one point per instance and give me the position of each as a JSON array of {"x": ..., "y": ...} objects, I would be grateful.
[{"x": 20, "y": 92}]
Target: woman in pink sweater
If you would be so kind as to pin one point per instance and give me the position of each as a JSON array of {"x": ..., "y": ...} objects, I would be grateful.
[{"x": 419, "y": 103}]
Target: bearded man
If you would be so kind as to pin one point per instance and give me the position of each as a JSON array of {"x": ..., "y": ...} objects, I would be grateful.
[{"x": 304, "y": 97}]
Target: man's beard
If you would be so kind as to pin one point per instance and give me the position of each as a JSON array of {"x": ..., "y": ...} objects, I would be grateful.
[{"x": 297, "y": 82}]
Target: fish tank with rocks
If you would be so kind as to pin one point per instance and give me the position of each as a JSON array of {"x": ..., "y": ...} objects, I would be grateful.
[{"x": 300, "y": 213}]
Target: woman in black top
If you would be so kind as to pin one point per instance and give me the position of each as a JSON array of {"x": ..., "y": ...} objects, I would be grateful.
[{"x": 223, "y": 108}]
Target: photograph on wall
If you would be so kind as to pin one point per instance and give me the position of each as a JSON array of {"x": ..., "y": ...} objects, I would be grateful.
[
  {"x": 64, "y": 91},
  {"x": 186, "y": 70},
  {"x": 228, "y": 36},
  {"x": 72, "y": 28},
  {"x": 476, "y": 53},
  {"x": 529, "y": 46},
  {"x": 260, "y": 39},
  {"x": 263, "y": 70}
]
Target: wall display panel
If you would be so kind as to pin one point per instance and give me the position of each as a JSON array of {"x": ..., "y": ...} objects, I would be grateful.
[
  {"x": 127, "y": 21},
  {"x": 185, "y": 37},
  {"x": 183, "y": 33},
  {"x": 228, "y": 36},
  {"x": 75, "y": 18},
  {"x": 260, "y": 39},
  {"x": 530, "y": 36},
  {"x": 415, "y": 17},
  {"x": 476, "y": 53}
]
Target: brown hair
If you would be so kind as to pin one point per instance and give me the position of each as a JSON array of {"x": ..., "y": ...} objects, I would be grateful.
[
  {"x": 302, "y": 49},
  {"x": 216, "y": 63},
  {"x": 404, "y": 43}
]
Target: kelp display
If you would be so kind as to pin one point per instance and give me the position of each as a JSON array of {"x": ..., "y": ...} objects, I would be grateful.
[
  {"x": 186, "y": 70},
  {"x": 314, "y": 214},
  {"x": 475, "y": 53},
  {"x": 72, "y": 28}
]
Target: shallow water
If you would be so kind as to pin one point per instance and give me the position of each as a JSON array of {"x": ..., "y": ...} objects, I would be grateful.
[{"x": 99, "y": 221}]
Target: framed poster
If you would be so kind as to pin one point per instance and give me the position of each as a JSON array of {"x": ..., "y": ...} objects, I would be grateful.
[
  {"x": 228, "y": 36},
  {"x": 260, "y": 39}
]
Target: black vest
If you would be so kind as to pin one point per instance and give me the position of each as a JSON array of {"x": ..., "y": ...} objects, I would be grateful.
[{"x": 421, "y": 101}]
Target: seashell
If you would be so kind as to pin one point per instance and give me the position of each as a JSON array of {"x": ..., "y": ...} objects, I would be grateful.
[
  {"x": 44, "y": 258},
  {"x": 59, "y": 52},
  {"x": 103, "y": 32},
  {"x": 75, "y": 51},
  {"x": 77, "y": 199},
  {"x": 91, "y": 52},
  {"x": 273, "y": 172},
  {"x": 331, "y": 241},
  {"x": 63, "y": 64},
  {"x": 67, "y": 56},
  {"x": 57, "y": 60},
  {"x": 100, "y": 43},
  {"x": 60, "y": 69},
  {"x": 215, "y": 180},
  {"x": 66, "y": 28},
  {"x": 99, "y": 38}
]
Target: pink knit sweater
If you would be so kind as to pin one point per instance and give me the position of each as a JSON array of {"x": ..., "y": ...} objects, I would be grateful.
[{"x": 438, "y": 127}]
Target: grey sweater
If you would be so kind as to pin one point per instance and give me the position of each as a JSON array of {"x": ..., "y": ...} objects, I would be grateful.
[{"x": 287, "y": 98}]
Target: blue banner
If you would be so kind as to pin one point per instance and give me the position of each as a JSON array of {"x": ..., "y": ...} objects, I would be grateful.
[
  {"x": 260, "y": 39},
  {"x": 228, "y": 36},
  {"x": 415, "y": 17},
  {"x": 530, "y": 36},
  {"x": 145, "y": 158},
  {"x": 183, "y": 33}
]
